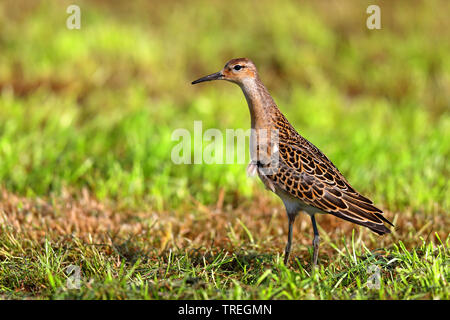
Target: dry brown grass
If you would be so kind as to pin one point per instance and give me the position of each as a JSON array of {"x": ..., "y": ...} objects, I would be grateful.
[{"x": 219, "y": 227}]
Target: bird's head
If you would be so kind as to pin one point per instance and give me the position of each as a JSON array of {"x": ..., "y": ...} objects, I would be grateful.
[{"x": 236, "y": 70}]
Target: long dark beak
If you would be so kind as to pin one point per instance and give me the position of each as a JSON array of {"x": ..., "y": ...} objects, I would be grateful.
[{"x": 214, "y": 76}]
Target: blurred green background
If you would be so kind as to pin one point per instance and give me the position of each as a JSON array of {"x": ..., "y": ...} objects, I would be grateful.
[{"x": 95, "y": 108}]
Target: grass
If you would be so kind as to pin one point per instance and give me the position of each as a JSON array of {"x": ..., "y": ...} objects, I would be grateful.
[
  {"x": 209, "y": 253},
  {"x": 184, "y": 275},
  {"x": 85, "y": 143}
]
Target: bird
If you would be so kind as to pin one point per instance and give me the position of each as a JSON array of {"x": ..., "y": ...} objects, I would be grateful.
[{"x": 293, "y": 168}]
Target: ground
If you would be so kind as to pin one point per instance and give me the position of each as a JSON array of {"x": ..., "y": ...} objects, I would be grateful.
[{"x": 89, "y": 190}]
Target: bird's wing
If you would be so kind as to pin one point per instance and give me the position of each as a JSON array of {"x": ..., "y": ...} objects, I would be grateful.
[{"x": 307, "y": 174}]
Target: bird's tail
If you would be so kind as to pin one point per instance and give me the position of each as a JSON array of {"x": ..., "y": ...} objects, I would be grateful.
[
  {"x": 379, "y": 228},
  {"x": 360, "y": 210}
]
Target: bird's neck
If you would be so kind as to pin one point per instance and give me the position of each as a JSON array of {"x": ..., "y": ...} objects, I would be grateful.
[
  {"x": 264, "y": 114},
  {"x": 260, "y": 103}
]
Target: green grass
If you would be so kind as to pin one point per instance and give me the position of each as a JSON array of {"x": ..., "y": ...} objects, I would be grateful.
[
  {"x": 86, "y": 119},
  {"x": 420, "y": 273}
]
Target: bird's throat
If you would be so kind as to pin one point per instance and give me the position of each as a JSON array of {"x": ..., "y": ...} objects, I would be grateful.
[{"x": 260, "y": 103}]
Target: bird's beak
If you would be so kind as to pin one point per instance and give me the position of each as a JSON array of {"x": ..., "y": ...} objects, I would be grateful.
[{"x": 214, "y": 76}]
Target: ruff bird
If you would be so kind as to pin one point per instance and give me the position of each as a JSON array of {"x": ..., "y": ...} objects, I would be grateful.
[{"x": 302, "y": 176}]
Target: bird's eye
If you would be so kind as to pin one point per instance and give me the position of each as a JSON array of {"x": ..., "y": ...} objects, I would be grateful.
[{"x": 237, "y": 67}]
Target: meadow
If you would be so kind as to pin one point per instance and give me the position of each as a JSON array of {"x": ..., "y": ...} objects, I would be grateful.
[{"x": 86, "y": 123}]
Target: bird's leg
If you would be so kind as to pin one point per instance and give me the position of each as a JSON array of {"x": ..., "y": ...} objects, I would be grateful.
[
  {"x": 289, "y": 242},
  {"x": 316, "y": 241}
]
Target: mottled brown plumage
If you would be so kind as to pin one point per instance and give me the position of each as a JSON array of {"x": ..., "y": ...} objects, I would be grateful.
[
  {"x": 303, "y": 177},
  {"x": 307, "y": 174}
]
